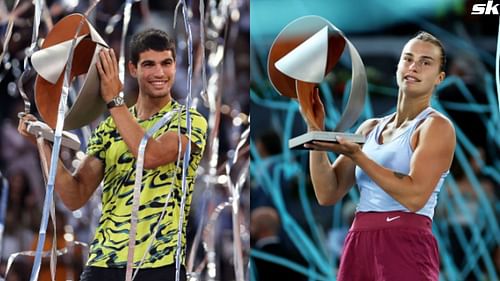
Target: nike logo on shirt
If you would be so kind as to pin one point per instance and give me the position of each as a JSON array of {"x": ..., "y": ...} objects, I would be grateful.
[{"x": 388, "y": 219}]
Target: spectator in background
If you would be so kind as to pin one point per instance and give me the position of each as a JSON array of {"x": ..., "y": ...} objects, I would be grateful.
[
  {"x": 472, "y": 72},
  {"x": 22, "y": 217},
  {"x": 268, "y": 144},
  {"x": 474, "y": 207},
  {"x": 264, "y": 228},
  {"x": 17, "y": 153},
  {"x": 69, "y": 264}
]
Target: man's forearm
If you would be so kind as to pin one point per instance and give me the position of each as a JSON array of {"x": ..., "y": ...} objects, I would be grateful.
[
  {"x": 128, "y": 128},
  {"x": 159, "y": 151},
  {"x": 65, "y": 184}
]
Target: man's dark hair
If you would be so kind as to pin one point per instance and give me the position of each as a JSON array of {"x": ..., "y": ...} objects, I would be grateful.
[
  {"x": 427, "y": 37},
  {"x": 151, "y": 39}
]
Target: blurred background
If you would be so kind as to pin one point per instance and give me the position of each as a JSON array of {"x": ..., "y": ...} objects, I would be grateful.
[
  {"x": 220, "y": 92},
  {"x": 307, "y": 238}
]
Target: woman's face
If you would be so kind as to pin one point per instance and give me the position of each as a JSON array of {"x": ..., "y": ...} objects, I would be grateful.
[{"x": 419, "y": 68}]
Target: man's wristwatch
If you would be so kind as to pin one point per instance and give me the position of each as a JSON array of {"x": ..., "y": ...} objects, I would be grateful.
[{"x": 116, "y": 101}]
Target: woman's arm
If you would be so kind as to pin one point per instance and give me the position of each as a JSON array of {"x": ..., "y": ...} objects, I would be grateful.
[
  {"x": 331, "y": 182},
  {"x": 432, "y": 157}
]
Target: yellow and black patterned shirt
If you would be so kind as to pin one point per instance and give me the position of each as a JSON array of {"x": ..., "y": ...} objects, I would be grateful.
[{"x": 110, "y": 245}]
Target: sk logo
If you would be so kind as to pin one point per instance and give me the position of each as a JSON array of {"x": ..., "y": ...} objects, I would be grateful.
[{"x": 485, "y": 9}]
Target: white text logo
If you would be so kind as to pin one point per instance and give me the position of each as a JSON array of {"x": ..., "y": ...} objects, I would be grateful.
[{"x": 485, "y": 9}]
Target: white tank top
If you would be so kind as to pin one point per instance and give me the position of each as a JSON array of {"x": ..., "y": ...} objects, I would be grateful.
[{"x": 394, "y": 155}]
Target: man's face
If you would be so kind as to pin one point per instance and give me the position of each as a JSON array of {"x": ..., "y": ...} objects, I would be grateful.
[
  {"x": 155, "y": 73},
  {"x": 419, "y": 68}
]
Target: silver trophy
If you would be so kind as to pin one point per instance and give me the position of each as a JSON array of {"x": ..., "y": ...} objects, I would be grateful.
[
  {"x": 302, "y": 54},
  {"x": 50, "y": 63}
]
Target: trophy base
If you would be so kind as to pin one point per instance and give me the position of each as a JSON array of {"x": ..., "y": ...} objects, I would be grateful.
[
  {"x": 298, "y": 142},
  {"x": 38, "y": 128}
]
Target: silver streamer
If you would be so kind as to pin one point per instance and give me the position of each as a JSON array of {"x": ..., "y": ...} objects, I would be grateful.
[
  {"x": 217, "y": 23},
  {"x": 167, "y": 200},
  {"x": 209, "y": 241},
  {"x": 3, "y": 208},
  {"x": 44, "y": 254},
  {"x": 29, "y": 52},
  {"x": 45, "y": 172},
  {"x": 187, "y": 153},
  {"x": 235, "y": 189},
  {"x": 203, "y": 59},
  {"x": 121, "y": 60},
  {"x": 48, "y": 202},
  {"x": 8, "y": 32},
  {"x": 137, "y": 192}
]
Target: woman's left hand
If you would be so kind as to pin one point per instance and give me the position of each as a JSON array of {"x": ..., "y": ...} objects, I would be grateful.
[{"x": 347, "y": 148}]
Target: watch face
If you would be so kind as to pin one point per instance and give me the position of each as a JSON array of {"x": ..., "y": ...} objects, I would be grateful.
[
  {"x": 119, "y": 100},
  {"x": 116, "y": 101}
]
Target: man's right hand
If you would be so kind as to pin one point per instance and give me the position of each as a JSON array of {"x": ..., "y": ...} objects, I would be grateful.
[{"x": 22, "y": 128}]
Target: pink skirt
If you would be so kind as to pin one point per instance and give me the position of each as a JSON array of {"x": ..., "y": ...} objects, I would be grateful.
[{"x": 389, "y": 246}]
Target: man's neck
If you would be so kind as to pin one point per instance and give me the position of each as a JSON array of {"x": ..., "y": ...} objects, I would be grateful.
[{"x": 147, "y": 107}]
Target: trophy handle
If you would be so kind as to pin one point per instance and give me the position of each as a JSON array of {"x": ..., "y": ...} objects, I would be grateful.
[{"x": 42, "y": 130}]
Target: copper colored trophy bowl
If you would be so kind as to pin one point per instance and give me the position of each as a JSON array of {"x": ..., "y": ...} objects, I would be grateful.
[
  {"x": 301, "y": 90},
  {"x": 47, "y": 95},
  {"x": 284, "y": 84}
]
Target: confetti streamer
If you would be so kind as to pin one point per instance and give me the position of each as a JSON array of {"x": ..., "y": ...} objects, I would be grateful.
[
  {"x": 3, "y": 208},
  {"x": 48, "y": 201},
  {"x": 137, "y": 192}
]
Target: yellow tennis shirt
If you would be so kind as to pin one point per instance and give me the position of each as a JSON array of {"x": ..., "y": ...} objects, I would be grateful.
[{"x": 110, "y": 245}]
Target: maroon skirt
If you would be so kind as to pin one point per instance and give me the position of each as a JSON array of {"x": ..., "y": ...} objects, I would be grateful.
[{"x": 389, "y": 246}]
